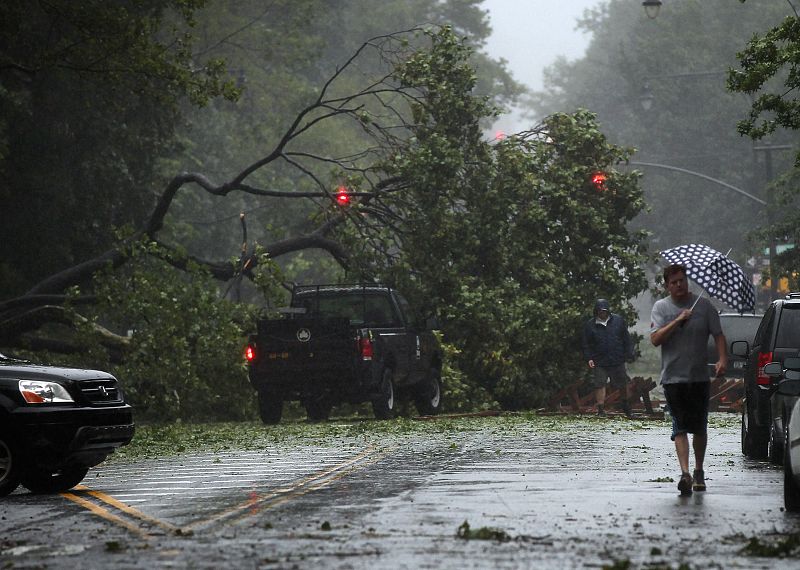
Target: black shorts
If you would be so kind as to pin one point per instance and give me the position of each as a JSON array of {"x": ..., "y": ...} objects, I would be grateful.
[
  {"x": 616, "y": 374},
  {"x": 688, "y": 404}
]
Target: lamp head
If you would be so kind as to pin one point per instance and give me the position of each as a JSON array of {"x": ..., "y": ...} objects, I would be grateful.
[{"x": 651, "y": 8}]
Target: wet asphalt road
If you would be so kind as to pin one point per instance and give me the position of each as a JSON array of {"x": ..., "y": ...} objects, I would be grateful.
[{"x": 563, "y": 492}]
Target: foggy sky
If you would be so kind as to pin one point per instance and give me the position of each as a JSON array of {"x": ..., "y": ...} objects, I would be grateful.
[{"x": 530, "y": 35}]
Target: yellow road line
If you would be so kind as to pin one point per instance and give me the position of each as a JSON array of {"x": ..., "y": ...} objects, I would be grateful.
[
  {"x": 257, "y": 503},
  {"x": 101, "y": 512},
  {"x": 134, "y": 512},
  {"x": 300, "y": 490}
]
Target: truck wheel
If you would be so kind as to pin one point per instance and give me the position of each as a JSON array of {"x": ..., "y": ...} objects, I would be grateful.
[
  {"x": 40, "y": 482},
  {"x": 791, "y": 490},
  {"x": 10, "y": 466},
  {"x": 270, "y": 407},
  {"x": 318, "y": 410},
  {"x": 383, "y": 406},
  {"x": 428, "y": 394}
]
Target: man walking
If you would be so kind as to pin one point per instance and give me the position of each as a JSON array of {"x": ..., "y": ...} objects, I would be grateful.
[
  {"x": 680, "y": 325},
  {"x": 606, "y": 346}
]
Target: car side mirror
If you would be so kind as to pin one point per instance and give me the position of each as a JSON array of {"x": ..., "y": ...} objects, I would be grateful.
[
  {"x": 432, "y": 324},
  {"x": 740, "y": 348},
  {"x": 773, "y": 369}
]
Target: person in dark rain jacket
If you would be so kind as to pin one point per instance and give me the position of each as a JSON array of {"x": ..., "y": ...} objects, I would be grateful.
[{"x": 606, "y": 346}]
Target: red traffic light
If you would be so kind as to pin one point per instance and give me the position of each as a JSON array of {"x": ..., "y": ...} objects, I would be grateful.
[
  {"x": 342, "y": 196},
  {"x": 599, "y": 180}
]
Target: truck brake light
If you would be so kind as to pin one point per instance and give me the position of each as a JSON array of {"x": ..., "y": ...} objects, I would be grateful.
[
  {"x": 764, "y": 358},
  {"x": 250, "y": 353},
  {"x": 365, "y": 347}
]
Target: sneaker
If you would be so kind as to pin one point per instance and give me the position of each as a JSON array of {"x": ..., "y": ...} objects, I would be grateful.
[
  {"x": 601, "y": 411},
  {"x": 699, "y": 483},
  {"x": 685, "y": 484}
]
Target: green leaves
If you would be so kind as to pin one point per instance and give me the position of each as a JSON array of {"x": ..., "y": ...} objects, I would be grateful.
[
  {"x": 766, "y": 61},
  {"x": 185, "y": 357},
  {"x": 506, "y": 240}
]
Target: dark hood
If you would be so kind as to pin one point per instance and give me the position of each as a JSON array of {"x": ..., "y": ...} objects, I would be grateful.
[
  {"x": 21, "y": 371},
  {"x": 601, "y": 305}
]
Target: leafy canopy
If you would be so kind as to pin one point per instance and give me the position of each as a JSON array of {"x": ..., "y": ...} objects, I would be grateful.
[{"x": 508, "y": 240}]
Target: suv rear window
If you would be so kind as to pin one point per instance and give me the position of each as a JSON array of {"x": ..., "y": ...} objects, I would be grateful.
[
  {"x": 739, "y": 327},
  {"x": 734, "y": 327},
  {"x": 789, "y": 327}
]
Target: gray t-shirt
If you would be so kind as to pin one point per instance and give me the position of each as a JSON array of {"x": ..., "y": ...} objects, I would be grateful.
[{"x": 684, "y": 354}]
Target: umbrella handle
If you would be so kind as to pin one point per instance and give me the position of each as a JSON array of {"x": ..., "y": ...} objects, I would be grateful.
[{"x": 683, "y": 323}]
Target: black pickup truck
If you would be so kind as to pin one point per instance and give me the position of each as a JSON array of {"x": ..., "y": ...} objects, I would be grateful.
[
  {"x": 345, "y": 343},
  {"x": 56, "y": 423}
]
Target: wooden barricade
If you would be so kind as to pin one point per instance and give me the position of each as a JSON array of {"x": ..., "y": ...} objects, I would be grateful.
[
  {"x": 569, "y": 392},
  {"x": 638, "y": 387},
  {"x": 726, "y": 394}
]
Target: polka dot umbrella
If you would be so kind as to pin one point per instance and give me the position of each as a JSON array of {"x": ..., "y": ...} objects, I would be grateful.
[{"x": 719, "y": 276}]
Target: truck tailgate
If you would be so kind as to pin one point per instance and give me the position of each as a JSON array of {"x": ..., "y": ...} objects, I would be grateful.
[{"x": 307, "y": 342}]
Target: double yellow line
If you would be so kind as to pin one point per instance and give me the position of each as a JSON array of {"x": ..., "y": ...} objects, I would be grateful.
[
  {"x": 105, "y": 513},
  {"x": 139, "y": 523},
  {"x": 257, "y": 503}
]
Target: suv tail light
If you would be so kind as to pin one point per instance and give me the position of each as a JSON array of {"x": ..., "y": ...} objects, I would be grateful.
[
  {"x": 365, "y": 348},
  {"x": 250, "y": 353},
  {"x": 764, "y": 358}
]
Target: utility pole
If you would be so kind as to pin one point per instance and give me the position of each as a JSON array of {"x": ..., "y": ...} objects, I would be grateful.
[{"x": 769, "y": 196}]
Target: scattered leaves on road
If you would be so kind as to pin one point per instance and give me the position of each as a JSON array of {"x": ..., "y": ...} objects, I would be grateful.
[
  {"x": 153, "y": 441},
  {"x": 483, "y": 533}
]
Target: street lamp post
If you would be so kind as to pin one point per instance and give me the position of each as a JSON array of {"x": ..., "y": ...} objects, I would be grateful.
[{"x": 722, "y": 183}]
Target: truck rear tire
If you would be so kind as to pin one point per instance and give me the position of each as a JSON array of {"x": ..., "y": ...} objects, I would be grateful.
[
  {"x": 10, "y": 466},
  {"x": 383, "y": 405},
  {"x": 270, "y": 407},
  {"x": 41, "y": 482},
  {"x": 428, "y": 394}
]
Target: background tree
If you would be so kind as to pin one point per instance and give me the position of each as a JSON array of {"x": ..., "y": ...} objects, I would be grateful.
[
  {"x": 768, "y": 71},
  {"x": 500, "y": 238},
  {"x": 503, "y": 239},
  {"x": 88, "y": 104},
  {"x": 677, "y": 63},
  {"x": 224, "y": 137}
]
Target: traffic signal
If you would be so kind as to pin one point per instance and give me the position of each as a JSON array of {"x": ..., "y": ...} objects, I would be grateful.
[
  {"x": 599, "y": 180},
  {"x": 342, "y": 196}
]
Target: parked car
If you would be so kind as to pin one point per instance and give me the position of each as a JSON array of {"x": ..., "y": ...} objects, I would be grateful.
[
  {"x": 735, "y": 327},
  {"x": 788, "y": 376},
  {"x": 778, "y": 337},
  {"x": 56, "y": 423},
  {"x": 345, "y": 343}
]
